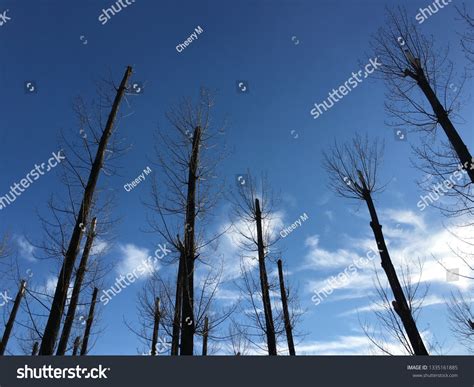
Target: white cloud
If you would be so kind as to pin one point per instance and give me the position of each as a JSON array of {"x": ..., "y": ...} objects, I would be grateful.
[
  {"x": 230, "y": 245},
  {"x": 345, "y": 345},
  {"x": 26, "y": 249},
  {"x": 377, "y": 307},
  {"x": 319, "y": 258},
  {"x": 100, "y": 246},
  {"x": 133, "y": 257}
]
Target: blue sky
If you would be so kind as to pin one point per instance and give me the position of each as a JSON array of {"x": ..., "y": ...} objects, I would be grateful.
[{"x": 249, "y": 41}]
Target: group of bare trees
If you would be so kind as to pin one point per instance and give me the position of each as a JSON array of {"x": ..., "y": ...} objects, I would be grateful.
[
  {"x": 419, "y": 78},
  {"x": 178, "y": 311}
]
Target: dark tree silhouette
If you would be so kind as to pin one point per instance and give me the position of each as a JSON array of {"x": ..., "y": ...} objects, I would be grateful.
[
  {"x": 57, "y": 307},
  {"x": 411, "y": 64},
  {"x": 352, "y": 170},
  {"x": 186, "y": 157}
]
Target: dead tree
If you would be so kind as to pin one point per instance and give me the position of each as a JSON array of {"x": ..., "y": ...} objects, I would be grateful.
[
  {"x": 461, "y": 318},
  {"x": 204, "y": 336},
  {"x": 286, "y": 313},
  {"x": 267, "y": 307},
  {"x": 77, "y": 343},
  {"x": 57, "y": 307},
  {"x": 460, "y": 307},
  {"x": 238, "y": 345},
  {"x": 467, "y": 40},
  {"x": 156, "y": 327},
  {"x": 186, "y": 195},
  {"x": 187, "y": 317},
  {"x": 389, "y": 329},
  {"x": 34, "y": 351},
  {"x": 90, "y": 319},
  {"x": 163, "y": 288},
  {"x": 409, "y": 61},
  {"x": 353, "y": 174},
  {"x": 257, "y": 238},
  {"x": 178, "y": 306},
  {"x": 11, "y": 320},
  {"x": 71, "y": 312}
]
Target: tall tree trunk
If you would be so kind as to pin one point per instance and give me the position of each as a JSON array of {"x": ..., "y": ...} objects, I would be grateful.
[
  {"x": 57, "y": 307},
  {"x": 11, "y": 319},
  {"x": 286, "y": 314},
  {"x": 267, "y": 307},
  {"x": 177, "y": 308},
  {"x": 453, "y": 136},
  {"x": 187, "y": 318},
  {"x": 156, "y": 326},
  {"x": 204, "y": 336},
  {"x": 400, "y": 304},
  {"x": 90, "y": 319},
  {"x": 71, "y": 312},
  {"x": 77, "y": 343},
  {"x": 34, "y": 352}
]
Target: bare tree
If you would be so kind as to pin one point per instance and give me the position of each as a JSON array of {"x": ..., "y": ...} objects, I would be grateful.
[
  {"x": 467, "y": 40},
  {"x": 156, "y": 287},
  {"x": 253, "y": 212},
  {"x": 57, "y": 307},
  {"x": 238, "y": 345},
  {"x": 352, "y": 170},
  {"x": 412, "y": 64},
  {"x": 89, "y": 321},
  {"x": 182, "y": 205},
  {"x": 461, "y": 316},
  {"x": 389, "y": 329},
  {"x": 11, "y": 320},
  {"x": 286, "y": 313}
]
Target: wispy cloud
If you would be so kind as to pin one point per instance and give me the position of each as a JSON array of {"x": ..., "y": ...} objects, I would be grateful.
[
  {"x": 132, "y": 257},
  {"x": 25, "y": 248}
]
